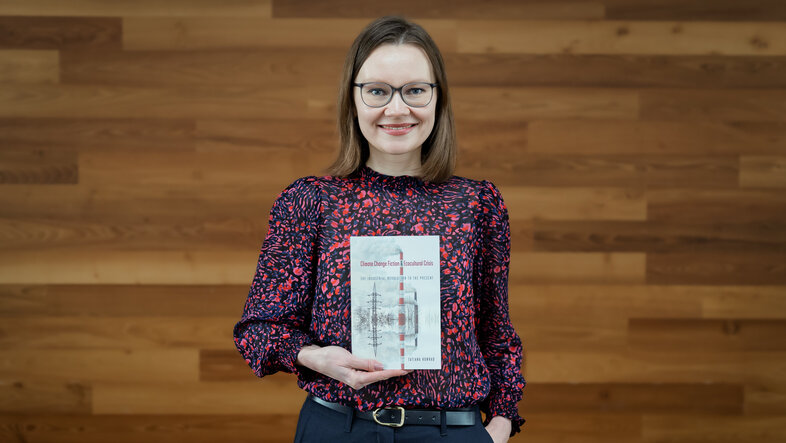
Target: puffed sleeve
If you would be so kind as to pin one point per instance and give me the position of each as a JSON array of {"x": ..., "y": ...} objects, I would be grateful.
[
  {"x": 499, "y": 343},
  {"x": 277, "y": 313}
]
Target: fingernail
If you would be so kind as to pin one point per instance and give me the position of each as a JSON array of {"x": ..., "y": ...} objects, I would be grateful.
[{"x": 378, "y": 367}]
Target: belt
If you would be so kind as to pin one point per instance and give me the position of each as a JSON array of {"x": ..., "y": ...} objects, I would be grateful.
[{"x": 396, "y": 416}]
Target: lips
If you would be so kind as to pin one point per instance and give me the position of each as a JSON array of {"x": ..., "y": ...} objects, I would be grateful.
[{"x": 397, "y": 129}]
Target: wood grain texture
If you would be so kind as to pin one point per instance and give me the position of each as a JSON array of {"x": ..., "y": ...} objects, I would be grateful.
[
  {"x": 29, "y": 66},
  {"x": 639, "y": 147},
  {"x": 621, "y": 37}
]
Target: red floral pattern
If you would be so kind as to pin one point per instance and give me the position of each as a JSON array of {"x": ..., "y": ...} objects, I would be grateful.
[{"x": 301, "y": 292}]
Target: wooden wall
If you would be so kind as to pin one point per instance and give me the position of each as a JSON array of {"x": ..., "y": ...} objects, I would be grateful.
[{"x": 640, "y": 146}]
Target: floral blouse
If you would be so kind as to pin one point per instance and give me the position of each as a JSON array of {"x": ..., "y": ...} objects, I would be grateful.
[{"x": 300, "y": 294}]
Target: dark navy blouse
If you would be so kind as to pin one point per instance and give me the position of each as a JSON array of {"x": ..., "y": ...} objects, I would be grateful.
[{"x": 301, "y": 291}]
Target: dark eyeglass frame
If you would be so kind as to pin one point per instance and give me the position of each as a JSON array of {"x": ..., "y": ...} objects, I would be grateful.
[{"x": 400, "y": 89}]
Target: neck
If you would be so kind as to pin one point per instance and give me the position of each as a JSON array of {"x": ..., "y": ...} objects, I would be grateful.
[{"x": 395, "y": 165}]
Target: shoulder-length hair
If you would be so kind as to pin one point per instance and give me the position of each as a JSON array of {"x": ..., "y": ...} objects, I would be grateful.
[{"x": 438, "y": 153}]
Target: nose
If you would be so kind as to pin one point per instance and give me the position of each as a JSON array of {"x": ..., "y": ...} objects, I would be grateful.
[{"x": 396, "y": 105}]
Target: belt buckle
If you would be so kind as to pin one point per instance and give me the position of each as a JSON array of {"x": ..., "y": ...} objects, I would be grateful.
[{"x": 392, "y": 425}]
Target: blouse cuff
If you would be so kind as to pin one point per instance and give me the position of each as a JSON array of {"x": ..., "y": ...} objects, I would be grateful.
[
  {"x": 290, "y": 345},
  {"x": 501, "y": 405}
]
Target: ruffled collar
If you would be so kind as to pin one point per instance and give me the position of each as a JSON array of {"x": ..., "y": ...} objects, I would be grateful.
[{"x": 395, "y": 181}]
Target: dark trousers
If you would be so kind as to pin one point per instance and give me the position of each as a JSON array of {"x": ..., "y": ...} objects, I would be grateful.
[{"x": 318, "y": 424}]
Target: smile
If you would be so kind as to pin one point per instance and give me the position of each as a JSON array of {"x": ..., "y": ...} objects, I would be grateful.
[{"x": 399, "y": 126}]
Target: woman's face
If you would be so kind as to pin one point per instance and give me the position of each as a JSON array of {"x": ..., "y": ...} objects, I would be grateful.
[{"x": 395, "y": 129}]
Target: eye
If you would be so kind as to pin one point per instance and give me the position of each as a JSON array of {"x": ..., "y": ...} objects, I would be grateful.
[
  {"x": 416, "y": 91},
  {"x": 377, "y": 91}
]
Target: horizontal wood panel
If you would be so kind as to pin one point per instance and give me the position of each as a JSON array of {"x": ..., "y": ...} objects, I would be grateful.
[
  {"x": 93, "y": 365},
  {"x": 706, "y": 334},
  {"x": 638, "y": 366},
  {"x": 464, "y": 9},
  {"x": 621, "y": 37},
  {"x": 762, "y": 171},
  {"x": 663, "y": 398},
  {"x": 114, "y": 332},
  {"x": 631, "y": 71},
  {"x": 42, "y": 397},
  {"x": 577, "y": 267},
  {"x": 194, "y": 33},
  {"x": 679, "y": 235},
  {"x": 728, "y": 104},
  {"x": 212, "y": 398},
  {"x": 607, "y": 170},
  {"x": 658, "y": 137},
  {"x": 151, "y": 428},
  {"x": 29, "y": 66},
  {"x": 542, "y": 203},
  {"x": 145, "y": 8},
  {"x": 107, "y": 301},
  {"x": 38, "y": 166},
  {"x": 762, "y": 268},
  {"x": 60, "y": 32},
  {"x": 128, "y": 267}
]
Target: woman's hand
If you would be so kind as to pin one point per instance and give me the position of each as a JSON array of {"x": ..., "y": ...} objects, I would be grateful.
[
  {"x": 338, "y": 363},
  {"x": 499, "y": 429}
]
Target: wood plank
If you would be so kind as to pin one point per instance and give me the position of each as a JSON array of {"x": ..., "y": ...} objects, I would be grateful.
[
  {"x": 711, "y": 206},
  {"x": 59, "y": 32},
  {"x": 242, "y": 168},
  {"x": 675, "y": 138},
  {"x": 257, "y": 67},
  {"x": 105, "y": 134},
  {"x": 38, "y": 166},
  {"x": 318, "y": 137},
  {"x": 731, "y": 268},
  {"x": 721, "y": 429},
  {"x": 765, "y": 398},
  {"x": 223, "y": 365},
  {"x": 193, "y": 102},
  {"x": 107, "y": 365},
  {"x": 196, "y": 33},
  {"x": 718, "y": 10},
  {"x": 29, "y": 66},
  {"x": 107, "y": 301},
  {"x": 715, "y": 335},
  {"x": 547, "y": 267},
  {"x": 615, "y": 303},
  {"x": 598, "y": 427},
  {"x": 726, "y": 104},
  {"x": 42, "y": 397},
  {"x": 608, "y": 170},
  {"x": 762, "y": 171},
  {"x": 494, "y": 103},
  {"x": 80, "y": 332},
  {"x": 214, "y": 398},
  {"x": 645, "y": 398},
  {"x": 547, "y": 203},
  {"x": 137, "y": 204},
  {"x": 745, "y": 302},
  {"x": 132, "y": 8},
  {"x": 673, "y": 366},
  {"x": 621, "y": 37},
  {"x": 464, "y": 9},
  {"x": 87, "y": 233},
  {"x": 653, "y": 236},
  {"x": 153, "y": 428},
  {"x": 627, "y": 71},
  {"x": 71, "y": 266}
]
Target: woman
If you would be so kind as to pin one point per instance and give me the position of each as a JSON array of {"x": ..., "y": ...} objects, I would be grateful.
[{"x": 393, "y": 176}]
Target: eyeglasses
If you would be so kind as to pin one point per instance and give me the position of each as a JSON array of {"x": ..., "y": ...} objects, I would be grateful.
[{"x": 378, "y": 94}]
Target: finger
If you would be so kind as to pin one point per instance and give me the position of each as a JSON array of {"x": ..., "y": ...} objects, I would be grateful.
[
  {"x": 366, "y": 378},
  {"x": 365, "y": 364}
]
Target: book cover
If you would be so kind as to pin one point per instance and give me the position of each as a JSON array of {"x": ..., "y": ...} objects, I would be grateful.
[{"x": 396, "y": 300}]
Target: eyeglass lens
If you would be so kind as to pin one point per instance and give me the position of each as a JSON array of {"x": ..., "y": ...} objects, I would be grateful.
[{"x": 380, "y": 94}]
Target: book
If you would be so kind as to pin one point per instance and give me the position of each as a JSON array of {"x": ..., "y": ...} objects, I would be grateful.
[{"x": 395, "y": 298}]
